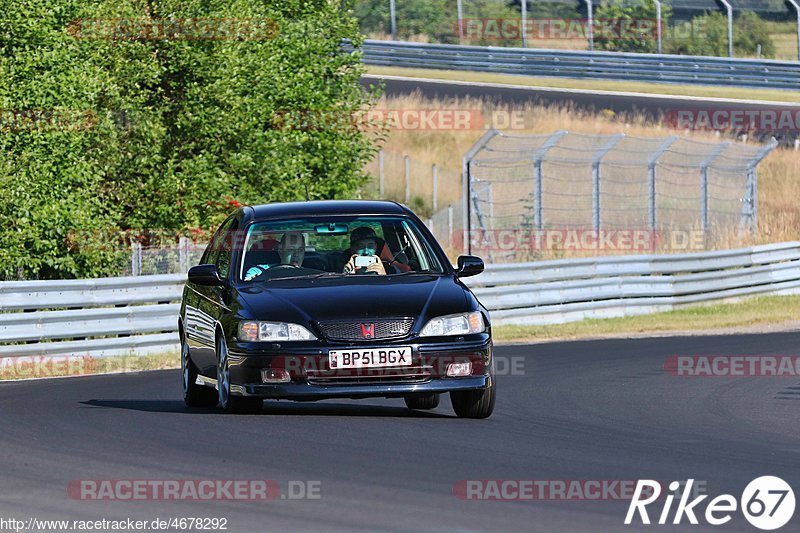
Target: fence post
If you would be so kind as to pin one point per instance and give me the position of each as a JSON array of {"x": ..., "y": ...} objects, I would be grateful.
[
  {"x": 659, "y": 29},
  {"x": 729, "y": 9},
  {"x": 651, "y": 179},
  {"x": 450, "y": 227},
  {"x": 183, "y": 254},
  {"x": 393, "y": 19},
  {"x": 465, "y": 182},
  {"x": 751, "y": 202},
  {"x": 538, "y": 159},
  {"x": 406, "y": 173},
  {"x": 136, "y": 258},
  {"x": 380, "y": 175},
  {"x": 704, "y": 166},
  {"x": 598, "y": 158},
  {"x": 435, "y": 175},
  {"x": 460, "y": 15},
  {"x": 796, "y": 7},
  {"x": 590, "y": 24}
]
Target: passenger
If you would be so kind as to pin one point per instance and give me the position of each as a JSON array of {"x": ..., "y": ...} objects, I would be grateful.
[
  {"x": 292, "y": 251},
  {"x": 363, "y": 243}
]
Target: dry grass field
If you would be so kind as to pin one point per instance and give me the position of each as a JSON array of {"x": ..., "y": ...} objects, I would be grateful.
[{"x": 778, "y": 174}]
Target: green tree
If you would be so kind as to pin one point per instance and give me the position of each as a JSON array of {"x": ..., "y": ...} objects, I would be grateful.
[
  {"x": 625, "y": 27},
  {"x": 179, "y": 130}
]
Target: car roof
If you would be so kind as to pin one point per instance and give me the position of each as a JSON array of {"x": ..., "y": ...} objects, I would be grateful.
[{"x": 325, "y": 207}]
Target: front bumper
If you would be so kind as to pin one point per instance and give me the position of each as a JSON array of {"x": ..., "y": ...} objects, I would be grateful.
[{"x": 312, "y": 379}]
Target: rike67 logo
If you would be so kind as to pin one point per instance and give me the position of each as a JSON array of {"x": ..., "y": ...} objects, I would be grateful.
[{"x": 767, "y": 503}]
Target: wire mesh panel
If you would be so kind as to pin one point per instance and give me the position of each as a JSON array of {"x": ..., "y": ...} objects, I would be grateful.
[{"x": 524, "y": 186}]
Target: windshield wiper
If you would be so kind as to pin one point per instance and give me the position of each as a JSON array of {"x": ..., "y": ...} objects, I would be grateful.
[{"x": 309, "y": 276}]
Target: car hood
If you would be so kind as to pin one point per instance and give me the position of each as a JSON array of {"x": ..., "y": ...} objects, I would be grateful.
[{"x": 356, "y": 297}]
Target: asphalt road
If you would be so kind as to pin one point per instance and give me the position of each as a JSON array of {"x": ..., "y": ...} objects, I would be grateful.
[
  {"x": 601, "y": 410},
  {"x": 652, "y": 106}
]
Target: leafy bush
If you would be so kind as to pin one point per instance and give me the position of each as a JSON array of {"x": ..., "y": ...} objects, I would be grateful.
[
  {"x": 707, "y": 35},
  {"x": 634, "y": 27},
  {"x": 168, "y": 132}
]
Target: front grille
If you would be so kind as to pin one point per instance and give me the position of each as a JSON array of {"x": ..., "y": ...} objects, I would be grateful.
[
  {"x": 370, "y": 376},
  {"x": 355, "y": 330}
]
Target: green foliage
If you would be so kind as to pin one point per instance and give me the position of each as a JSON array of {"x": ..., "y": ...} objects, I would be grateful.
[
  {"x": 629, "y": 27},
  {"x": 170, "y": 134},
  {"x": 707, "y": 35}
]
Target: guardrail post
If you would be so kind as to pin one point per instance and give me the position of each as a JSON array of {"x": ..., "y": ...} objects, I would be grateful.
[
  {"x": 435, "y": 177},
  {"x": 538, "y": 159},
  {"x": 651, "y": 179},
  {"x": 704, "y": 166},
  {"x": 380, "y": 174},
  {"x": 598, "y": 158},
  {"x": 407, "y": 177}
]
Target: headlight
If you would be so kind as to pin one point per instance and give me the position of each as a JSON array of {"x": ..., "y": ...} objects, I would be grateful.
[
  {"x": 460, "y": 324},
  {"x": 273, "y": 331}
]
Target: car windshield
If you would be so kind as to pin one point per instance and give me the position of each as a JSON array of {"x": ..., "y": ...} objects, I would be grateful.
[{"x": 336, "y": 246}]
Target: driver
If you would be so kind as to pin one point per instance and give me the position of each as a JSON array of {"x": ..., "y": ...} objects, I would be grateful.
[
  {"x": 292, "y": 251},
  {"x": 363, "y": 243}
]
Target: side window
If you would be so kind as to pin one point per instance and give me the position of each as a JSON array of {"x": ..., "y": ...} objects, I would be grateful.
[
  {"x": 212, "y": 251},
  {"x": 228, "y": 239}
]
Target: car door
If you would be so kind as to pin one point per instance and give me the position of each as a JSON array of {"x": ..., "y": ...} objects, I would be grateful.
[{"x": 210, "y": 300}]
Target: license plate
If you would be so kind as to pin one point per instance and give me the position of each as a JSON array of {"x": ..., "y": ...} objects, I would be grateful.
[{"x": 370, "y": 357}]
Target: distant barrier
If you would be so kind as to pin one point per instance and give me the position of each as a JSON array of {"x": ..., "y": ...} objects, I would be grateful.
[{"x": 732, "y": 72}]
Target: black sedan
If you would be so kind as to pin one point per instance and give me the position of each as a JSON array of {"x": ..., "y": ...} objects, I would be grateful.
[{"x": 333, "y": 299}]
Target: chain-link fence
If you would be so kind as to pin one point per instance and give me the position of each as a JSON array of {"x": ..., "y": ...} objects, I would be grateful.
[
  {"x": 148, "y": 260},
  {"x": 581, "y": 184},
  {"x": 676, "y": 27},
  {"x": 426, "y": 188}
]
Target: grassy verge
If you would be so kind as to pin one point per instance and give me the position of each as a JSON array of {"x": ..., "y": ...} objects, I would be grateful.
[
  {"x": 33, "y": 367},
  {"x": 763, "y": 313},
  {"x": 594, "y": 85}
]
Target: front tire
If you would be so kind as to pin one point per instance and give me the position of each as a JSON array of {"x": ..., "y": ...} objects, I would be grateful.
[
  {"x": 194, "y": 395},
  {"x": 474, "y": 403},
  {"x": 422, "y": 403},
  {"x": 227, "y": 401}
]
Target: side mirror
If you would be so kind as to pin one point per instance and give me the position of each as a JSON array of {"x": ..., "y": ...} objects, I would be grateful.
[
  {"x": 206, "y": 275},
  {"x": 469, "y": 265}
]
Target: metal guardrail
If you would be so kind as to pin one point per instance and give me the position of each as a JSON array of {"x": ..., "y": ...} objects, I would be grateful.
[
  {"x": 551, "y": 292},
  {"x": 138, "y": 315},
  {"x": 591, "y": 65},
  {"x": 98, "y": 317}
]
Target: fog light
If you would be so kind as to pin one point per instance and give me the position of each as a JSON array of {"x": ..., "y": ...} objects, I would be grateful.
[
  {"x": 455, "y": 370},
  {"x": 275, "y": 375}
]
